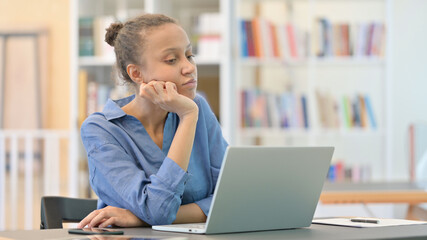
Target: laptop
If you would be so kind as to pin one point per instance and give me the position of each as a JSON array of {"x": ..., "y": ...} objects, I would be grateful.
[{"x": 264, "y": 188}]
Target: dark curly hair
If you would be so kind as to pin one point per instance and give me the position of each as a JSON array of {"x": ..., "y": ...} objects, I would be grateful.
[{"x": 128, "y": 39}]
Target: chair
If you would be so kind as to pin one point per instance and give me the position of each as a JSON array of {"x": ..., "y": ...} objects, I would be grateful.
[{"x": 55, "y": 210}]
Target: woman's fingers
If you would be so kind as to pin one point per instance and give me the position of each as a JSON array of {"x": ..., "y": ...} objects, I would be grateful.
[
  {"x": 159, "y": 87},
  {"x": 170, "y": 87},
  {"x": 111, "y": 216},
  {"x": 166, "y": 96},
  {"x": 99, "y": 218},
  {"x": 108, "y": 222},
  {"x": 88, "y": 219},
  {"x": 145, "y": 90},
  {"x": 150, "y": 92},
  {"x": 156, "y": 91}
]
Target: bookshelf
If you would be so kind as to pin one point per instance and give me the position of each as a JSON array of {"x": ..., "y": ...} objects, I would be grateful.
[
  {"x": 226, "y": 71},
  {"x": 321, "y": 79},
  {"x": 92, "y": 59}
]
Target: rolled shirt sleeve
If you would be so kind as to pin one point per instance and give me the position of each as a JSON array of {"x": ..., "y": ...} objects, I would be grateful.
[{"x": 119, "y": 181}]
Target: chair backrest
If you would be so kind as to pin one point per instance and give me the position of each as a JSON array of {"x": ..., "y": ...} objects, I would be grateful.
[{"x": 55, "y": 210}]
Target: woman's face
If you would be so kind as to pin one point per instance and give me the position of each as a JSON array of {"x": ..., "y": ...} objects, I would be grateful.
[{"x": 168, "y": 57}]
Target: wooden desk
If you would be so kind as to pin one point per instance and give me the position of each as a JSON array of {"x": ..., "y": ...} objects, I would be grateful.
[
  {"x": 316, "y": 231},
  {"x": 386, "y": 192}
]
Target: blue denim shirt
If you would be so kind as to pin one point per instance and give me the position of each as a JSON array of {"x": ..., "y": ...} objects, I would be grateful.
[{"x": 128, "y": 170}]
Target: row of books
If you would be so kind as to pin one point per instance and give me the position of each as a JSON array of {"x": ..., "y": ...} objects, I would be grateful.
[
  {"x": 347, "y": 112},
  {"x": 263, "y": 39},
  {"x": 263, "y": 109},
  {"x": 340, "y": 172},
  {"x": 207, "y": 28},
  {"x": 208, "y": 23},
  {"x": 344, "y": 39},
  {"x": 92, "y": 36},
  {"x": 93, "y": 94}
]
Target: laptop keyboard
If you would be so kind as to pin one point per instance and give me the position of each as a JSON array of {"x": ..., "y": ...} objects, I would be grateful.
[
  {"x": 199, "y": 226},
  {"x": 190, "y": 225}
]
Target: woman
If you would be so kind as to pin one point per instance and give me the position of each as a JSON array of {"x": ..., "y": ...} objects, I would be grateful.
[{"x": 154, "y": 157}]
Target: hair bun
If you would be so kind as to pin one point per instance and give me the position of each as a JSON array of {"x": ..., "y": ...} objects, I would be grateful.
[{"x": 112, "y": 32}]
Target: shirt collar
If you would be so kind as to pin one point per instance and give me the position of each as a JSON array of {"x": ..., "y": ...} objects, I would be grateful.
[{"x": 113, "y": 108}]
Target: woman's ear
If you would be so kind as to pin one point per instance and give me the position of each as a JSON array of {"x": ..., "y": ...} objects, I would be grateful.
[{"x": 134, "y": 73}]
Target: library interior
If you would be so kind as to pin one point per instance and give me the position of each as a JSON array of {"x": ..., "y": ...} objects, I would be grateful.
[{"x": 293, "y": 73}]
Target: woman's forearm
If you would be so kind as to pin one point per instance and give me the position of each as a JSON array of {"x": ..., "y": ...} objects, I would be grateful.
[
  {"x": 190, "y": 213},
  {"x": 182, "y": 143}
]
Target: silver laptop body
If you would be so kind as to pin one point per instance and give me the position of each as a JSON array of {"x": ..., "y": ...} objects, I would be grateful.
[{"x": 264, "y": 188}]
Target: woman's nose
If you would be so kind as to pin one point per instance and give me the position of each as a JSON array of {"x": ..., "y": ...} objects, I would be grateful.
[{"x": 189, "y": 67}]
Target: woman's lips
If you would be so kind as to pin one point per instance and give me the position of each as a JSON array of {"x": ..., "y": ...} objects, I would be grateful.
[{"x": 190, "y": 83}]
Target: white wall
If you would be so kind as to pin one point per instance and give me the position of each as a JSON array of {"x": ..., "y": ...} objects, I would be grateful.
[{"x": 409, "y": 75}]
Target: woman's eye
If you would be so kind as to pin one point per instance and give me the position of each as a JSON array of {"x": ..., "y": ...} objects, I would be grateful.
[
  {"x": 190, "y": 57},
  {"x": 173, "y": 60}
]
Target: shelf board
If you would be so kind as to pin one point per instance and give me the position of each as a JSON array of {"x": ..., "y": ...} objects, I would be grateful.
[
  {"x": 265, "y": 131},
  {"x": 253, "y": 61},
  {"x": 333, "y": 61},
  {"x": 205, "y": 60},
  {"x": 302, "y": 132},
  {"x": 313, "y": 61},
  {"x": 109, "y": 61},
  {"x": 354, "y": 132}
]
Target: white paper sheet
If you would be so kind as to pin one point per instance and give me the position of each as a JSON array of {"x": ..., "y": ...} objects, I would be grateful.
[{"x": 382, "y": 222}]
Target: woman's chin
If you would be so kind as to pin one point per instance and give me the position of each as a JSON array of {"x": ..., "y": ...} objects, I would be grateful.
[{"x": 190, "y": 95}]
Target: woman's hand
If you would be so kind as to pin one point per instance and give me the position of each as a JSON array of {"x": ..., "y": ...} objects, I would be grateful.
[
  {"x": 165, "y": 95},
  {"x": 111, "y": 216}
]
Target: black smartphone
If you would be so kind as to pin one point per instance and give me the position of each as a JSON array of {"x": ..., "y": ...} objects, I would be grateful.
[{"x": 95, "y": 231}]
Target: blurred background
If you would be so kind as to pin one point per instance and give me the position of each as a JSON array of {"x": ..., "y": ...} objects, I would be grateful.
[{"x": 345, "y": 73}]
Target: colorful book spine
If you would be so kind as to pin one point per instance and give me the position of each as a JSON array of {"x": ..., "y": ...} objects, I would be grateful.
[
  {"x": 274, "y": 41},
  {"x": 370, "y": 112},
  {"x": 292, "y": 40},
  {"x": 256, "y": 35},
  {"x": 347, "y": 112},
  {"x": 243, "y": 109},
  {"x": 363, "y": 112},
  {"x": 250, "y": 39},
  {"x": 305, "y": 111},
  {"x": 86, "y": 41},
  {"x": 244, "y": 39}
]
